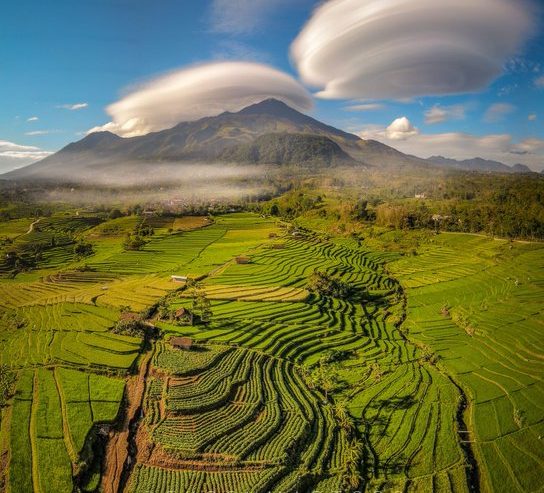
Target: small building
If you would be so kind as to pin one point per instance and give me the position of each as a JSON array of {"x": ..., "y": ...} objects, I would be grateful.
[
  {"x": 242, "y": 259},
  {"x": 183, "y": 316},
  {"x": 130, "y": 316},
  {"x": 179, "y": 278},
  {"x": 185, "y": 343}
]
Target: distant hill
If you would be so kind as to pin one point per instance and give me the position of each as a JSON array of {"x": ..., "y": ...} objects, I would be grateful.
[
  {"x": 478, "y": 164},
  {"x": 269, "y": 132}
]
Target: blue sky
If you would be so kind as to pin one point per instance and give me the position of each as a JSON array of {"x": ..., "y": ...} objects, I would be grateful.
[{"x": 63, "y": 63}]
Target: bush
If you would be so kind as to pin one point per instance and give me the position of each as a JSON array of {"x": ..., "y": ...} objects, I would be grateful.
[
  {"x": 130, "y": 327},
  {"x": 133, "y": 243},
  {"x": 325, "y": 285},
  {"x": 83, "y": 249}
]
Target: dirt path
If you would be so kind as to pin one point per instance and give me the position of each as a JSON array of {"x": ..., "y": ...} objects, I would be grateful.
[
  {"x": 117, "y": 448},
  {"x": 31, "y": 227}
]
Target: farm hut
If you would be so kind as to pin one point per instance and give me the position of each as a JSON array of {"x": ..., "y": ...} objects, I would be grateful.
[
  {"x": 179, "y": 278},
  {"x": 272, "y": 235},
  {"x": 183, "y": 316},
  {"x": 184, "y": 343},
  {"x": 243, "y": 259},
  {"x": 130, "y": 316}
]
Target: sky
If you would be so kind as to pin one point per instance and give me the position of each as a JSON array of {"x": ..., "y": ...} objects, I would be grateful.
[{"x": 458, "y": 78}]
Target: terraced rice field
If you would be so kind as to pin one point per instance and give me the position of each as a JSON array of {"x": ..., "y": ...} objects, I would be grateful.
[
  {"x": 490, "y": 340},
  {"x": 426, "y": 377}
]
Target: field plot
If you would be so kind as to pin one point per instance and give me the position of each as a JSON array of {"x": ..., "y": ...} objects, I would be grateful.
[
  {"x": 404, "y": 408},
  {"x": 56, "y": 330},
  {"x": 477, "y": 303},
  {"x": 232, "y": 419}
]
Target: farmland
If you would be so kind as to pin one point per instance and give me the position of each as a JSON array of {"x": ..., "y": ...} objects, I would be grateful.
[{"x": 425, "y": 375}]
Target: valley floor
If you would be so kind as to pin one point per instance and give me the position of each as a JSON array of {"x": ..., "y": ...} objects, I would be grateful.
[{"x": 428, "y": 376}]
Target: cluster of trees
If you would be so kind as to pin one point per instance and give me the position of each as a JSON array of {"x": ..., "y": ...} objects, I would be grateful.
[
  {"x": 133, "y": 242},
  {"x": 327, "y": 285},
  {"x": 292, "y": 204},
  {"x": 201, "y": 306},
  {"x": 83, "y": 249}
]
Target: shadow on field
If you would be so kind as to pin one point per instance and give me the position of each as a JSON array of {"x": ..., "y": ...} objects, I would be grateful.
[{"x": 404, "y": 402}]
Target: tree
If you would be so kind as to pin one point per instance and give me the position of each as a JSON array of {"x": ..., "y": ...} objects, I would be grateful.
[
  {"x": 7, "y": 384},
  {"x": 115, "y": 214},
  {"x": 326, "y": 285},
  {"x": 201, "y": 306},
  {"x": 133, "y": 243},
  {"x": 82, "y": 249}
]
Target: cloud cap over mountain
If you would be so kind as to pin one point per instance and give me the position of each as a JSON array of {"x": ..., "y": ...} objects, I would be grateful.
[
  {"x": 199, "y": 91},
  {"x": 392, "y": 49}
]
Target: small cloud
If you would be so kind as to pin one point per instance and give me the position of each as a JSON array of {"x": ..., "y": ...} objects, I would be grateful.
[
  {"x": 498, "y": 111},
  {"x": 365, "y": 107},
  {"x": 32, "y": 119},
  {"x": 43, "y": 132},
  {"x": 74, "y": 107},
  {"x": 230, "y": 49},
  {"x": 401, "y": 129},
  {"x": 532, "y": 117},
  {"x": 439, "y": 114},
  {"x": 14, "y": 155},
  {"x": 539, "y": 82},
  {"x": 528, "y": 146},
  {"x": 242, "y": 16}
]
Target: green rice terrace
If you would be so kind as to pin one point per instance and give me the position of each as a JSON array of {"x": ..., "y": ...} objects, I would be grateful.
[{"x": 278, "y": 359}]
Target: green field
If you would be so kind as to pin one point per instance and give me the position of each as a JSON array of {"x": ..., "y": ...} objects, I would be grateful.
[{"x": 428, "y": 376}]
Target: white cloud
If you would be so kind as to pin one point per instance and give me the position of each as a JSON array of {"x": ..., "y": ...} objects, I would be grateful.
[
  {"x": 365, "y": 107},
  {"x": 38, "y": 132},
  {"x": 532, "y": 117},
  {"x": 204, "y": 90},
  {"x": 539, "y": 82},
  {"x": 14, "y": 155},
  {"x": 456, "y": 145},
  {"x": 498, "y": 112},
  {"x": 439, "y": 114},
  {"x": 230, "y": 49},
  {"x": 391, "y": 49},
  {"x": 242, "y": 16},
  {"x": 32, "y": 119},
  {"x": 74, "y": 107},
  {"x": 401, "y": 129}
]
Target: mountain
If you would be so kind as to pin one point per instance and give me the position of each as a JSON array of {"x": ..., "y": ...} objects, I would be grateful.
[
  {"x": 269, "y": 132},
  {"x": 289, "y": 148},
  {"x": 521, "y": 168},
  {"x": 478, "y": 164}
]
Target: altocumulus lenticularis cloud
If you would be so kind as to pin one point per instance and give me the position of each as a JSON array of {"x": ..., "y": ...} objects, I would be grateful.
[
  {"x": 199, "y": 91},
  {"x": 391, "y": 49}
]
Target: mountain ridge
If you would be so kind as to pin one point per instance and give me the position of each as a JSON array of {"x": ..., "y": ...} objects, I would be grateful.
[{"x": 238, "y": 138}]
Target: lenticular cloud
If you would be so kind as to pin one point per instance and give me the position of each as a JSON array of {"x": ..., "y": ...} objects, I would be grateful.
[
  {"x": 199, "y": 91},
  {"x": 388, "y": 49}
]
